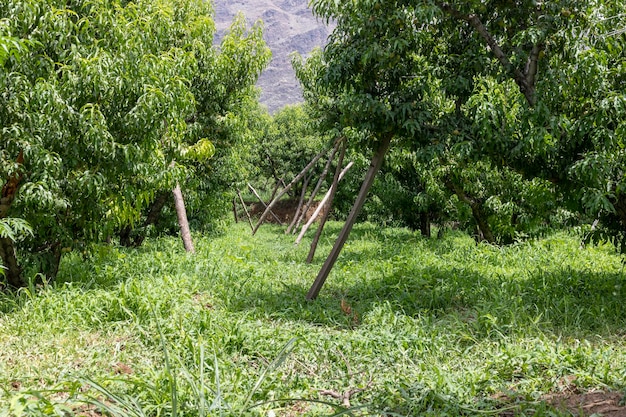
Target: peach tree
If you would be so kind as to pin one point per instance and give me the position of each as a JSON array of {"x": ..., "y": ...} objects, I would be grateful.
[
  {"x": 103, "y": 107},
  {"x": 532, "y": 86}
]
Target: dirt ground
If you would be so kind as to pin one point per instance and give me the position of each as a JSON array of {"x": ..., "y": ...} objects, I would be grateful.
[
  {"x": 284, "y": 211},
  {"x": 594, "y": 403},
  {"x": 571, "y": 399}
]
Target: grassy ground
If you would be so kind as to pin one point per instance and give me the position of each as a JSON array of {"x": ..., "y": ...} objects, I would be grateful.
[{"x": 404, "y": 326}]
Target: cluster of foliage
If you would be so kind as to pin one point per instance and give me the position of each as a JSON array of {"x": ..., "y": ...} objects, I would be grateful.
[
  {"x": 105, "y": 106},
  {"x": 511, "y": 108},
  {"x": 428, "y": 327},
  {"x": 287, "y": 141}
]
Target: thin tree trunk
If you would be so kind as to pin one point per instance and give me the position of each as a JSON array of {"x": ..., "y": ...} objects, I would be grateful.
[
  {"x": 9, "y": 189},
  {"x": 425, "y": 224},
  {"x": 326, "y": 201},
  {"x": 477, "y": 211},
  {"x": 154, "y": 211},
  {"x": 296, "y": 222},
  {"x": 51, "y": 261},
  {"x": 183, "y": 223},
  {"x": 263, "y": 202},
  {"x": 124, "y": 234},
  {"x": 526, "y": 79},
  {"x": 285, "y": 189},
  {"x": 377, "y": 161},
  {"x": 13, "y": 272},
  {"x": 330, "y": 196},
  {"x": 153, "y": 216},
  {"x": 245, "y": 209},
  {"x": 235, "y": 210}
]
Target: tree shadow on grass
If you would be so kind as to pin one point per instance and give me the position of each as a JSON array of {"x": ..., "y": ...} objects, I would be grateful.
[
  {"x": 582, "y": 302},
  {"x": 562, "y": 299}
]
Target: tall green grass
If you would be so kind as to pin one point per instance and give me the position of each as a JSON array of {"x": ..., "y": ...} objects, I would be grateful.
[{"x": 436, "y": 327}]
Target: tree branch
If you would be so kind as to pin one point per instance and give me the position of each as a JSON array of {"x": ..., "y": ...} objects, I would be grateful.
[
  {"x": 526, "y": 82},
  {"x": 532, "y": 66}
]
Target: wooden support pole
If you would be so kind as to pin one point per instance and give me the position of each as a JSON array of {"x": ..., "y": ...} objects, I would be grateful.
[
  {"x": 320, "y": 228},
  {"x": 377, "y": 161},
  {"x": 298, "y": 219},
  {"x": 263, "y": 202},
  {"x": 330, "y": 196},
  {"x": 235, "y": 209},
  {"x": 322, "y": 203},
  {"x": 300, "y": 203},
  {"x": 287, "y": 187},
  {"x": 245, "y": 209}
]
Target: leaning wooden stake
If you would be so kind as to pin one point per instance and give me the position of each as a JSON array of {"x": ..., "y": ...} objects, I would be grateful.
[
  {"x": 251, "y": 188},
  {"x": 245, "y": 209},
  {"x": 377, "y": 161},
  {"x": 298, "y": 219},
  {"x": 284, "y": 190},
  {"x": 183, "y": 223},
  {"x": 329, "y": 203},
  {"x": 235, "y": 209},
  {"x": 327, "y": 200},
  {"x": 300, "y": 202}
]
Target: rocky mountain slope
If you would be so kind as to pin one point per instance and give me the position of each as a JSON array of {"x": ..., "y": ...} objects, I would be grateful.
[{"x": 289, "y": 26}]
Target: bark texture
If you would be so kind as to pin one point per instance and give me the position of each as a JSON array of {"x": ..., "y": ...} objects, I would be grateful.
[
  {"x": 477, "y": 210},
  {"x": 183, "y": 223},
  {"x": 13, "y": 272},
  {"x": 377, "y": 161}
]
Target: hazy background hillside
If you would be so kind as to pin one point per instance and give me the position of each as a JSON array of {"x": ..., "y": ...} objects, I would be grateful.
[{"x": 289, "y": 26}]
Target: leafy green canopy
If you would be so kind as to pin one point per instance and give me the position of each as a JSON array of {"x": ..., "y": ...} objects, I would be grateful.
[
  {"x": 100, "y": 97},
  {"x": 535, "y": 86}
]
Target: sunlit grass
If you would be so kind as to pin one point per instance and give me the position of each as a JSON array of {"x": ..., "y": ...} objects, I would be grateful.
[{"x": 434, "y": 326}]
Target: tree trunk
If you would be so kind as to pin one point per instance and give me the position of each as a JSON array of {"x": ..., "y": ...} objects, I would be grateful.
[
  {"x": 477, "y": 211},
  {"x": 331, "y": 197},
  {"x": 13, "y": 272},
  {"x": 9, "y": 189},
  {"x": 153, "y": 216},
  {"x": 425, "y": 224},
  {"x": 125, "y": 236},
  {"x": 181, "y": 213},
  {"x": 377, "y": 161},
  {"x": 50, "y": 261},
  {"x": 154, "y": 212}
]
